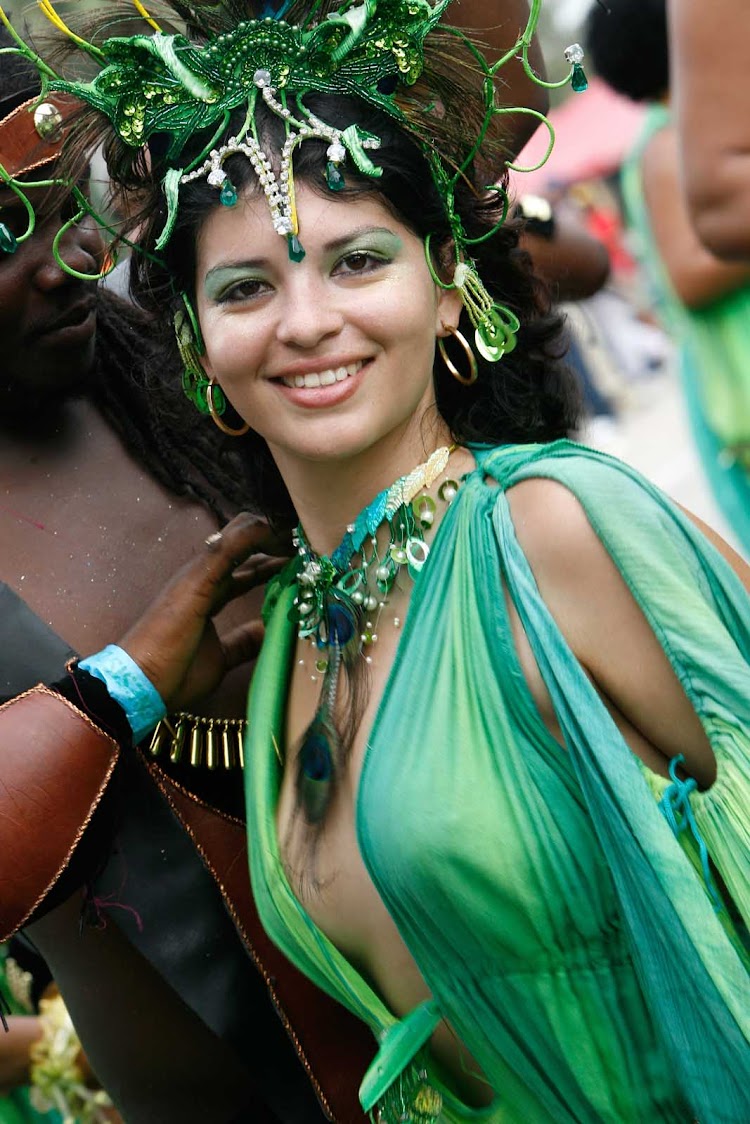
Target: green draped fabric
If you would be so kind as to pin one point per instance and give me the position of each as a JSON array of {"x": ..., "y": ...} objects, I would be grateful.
[
  {"x": 713, "y": 349},
  {"x": 565, "y": 929}
]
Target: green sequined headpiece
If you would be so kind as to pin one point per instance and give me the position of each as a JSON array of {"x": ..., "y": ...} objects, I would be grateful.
[{"x": 159, "y": 91}]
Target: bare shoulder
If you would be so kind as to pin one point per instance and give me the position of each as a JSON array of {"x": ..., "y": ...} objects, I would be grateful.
[
  {"x": 553, "y": 530},
  {"x": 606, "y": 628},
  {"x": 576, "y": 576}
]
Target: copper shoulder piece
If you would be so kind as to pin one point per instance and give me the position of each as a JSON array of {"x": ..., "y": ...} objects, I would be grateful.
[{"x": 54, "y": 767}]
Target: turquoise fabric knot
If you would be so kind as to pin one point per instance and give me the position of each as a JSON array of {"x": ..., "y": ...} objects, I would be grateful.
[
  {"x": 678, "y": 812},
  {"x": 398, "y": 1046}
]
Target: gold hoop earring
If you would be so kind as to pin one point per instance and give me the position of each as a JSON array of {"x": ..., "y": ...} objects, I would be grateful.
[
  {"x": 217, "y": 408},
  {"x": 473, "y": 368}
]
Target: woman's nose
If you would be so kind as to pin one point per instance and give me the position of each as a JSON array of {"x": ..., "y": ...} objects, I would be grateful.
[{"x": 310, "y": 311}]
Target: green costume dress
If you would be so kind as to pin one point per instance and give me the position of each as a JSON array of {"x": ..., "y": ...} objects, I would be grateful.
[
  {"x": 578, "y": 920},
  {"x": 713, "y": 348}
]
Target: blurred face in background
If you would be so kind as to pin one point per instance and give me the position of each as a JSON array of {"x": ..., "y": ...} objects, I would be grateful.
[{"x": 47, "y": 317}]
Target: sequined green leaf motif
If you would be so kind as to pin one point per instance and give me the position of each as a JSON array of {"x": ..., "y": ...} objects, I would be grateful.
[{"x": 165, "y": 84}]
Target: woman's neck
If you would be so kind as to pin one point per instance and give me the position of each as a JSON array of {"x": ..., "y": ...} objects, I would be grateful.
[{"x": 329, "y": 494}]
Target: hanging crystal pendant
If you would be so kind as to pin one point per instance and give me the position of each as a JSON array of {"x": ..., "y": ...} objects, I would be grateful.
[
  {"x": 574, "y": 55},
  {"x": 8, "y": 241},
  {"x": 334, "y": 177},
  {"x": 579, "y": 83},
  {"x": 336, "y": 154},
  {"x": 296, "y": 249},
  {"x": 228, "y": 195}
]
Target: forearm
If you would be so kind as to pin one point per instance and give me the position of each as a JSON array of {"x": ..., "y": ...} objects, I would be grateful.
[
  {"x": 572, "y": 263},
  {"x": 710, "y": 85},
  {"x": 23, "y": 1031}
]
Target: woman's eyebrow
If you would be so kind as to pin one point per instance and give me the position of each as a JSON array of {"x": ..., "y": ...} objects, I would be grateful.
[
  {"x": 354, "y": 235},
  {"x": 329, "y": 248},
  {"x": 244, "y": 263}
]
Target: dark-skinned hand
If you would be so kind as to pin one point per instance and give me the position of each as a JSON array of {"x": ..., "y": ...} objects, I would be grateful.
[{"x": 175, "y": 642}]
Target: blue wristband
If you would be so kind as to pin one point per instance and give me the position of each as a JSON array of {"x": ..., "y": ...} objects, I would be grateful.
[{"x": 128, "y": 686}]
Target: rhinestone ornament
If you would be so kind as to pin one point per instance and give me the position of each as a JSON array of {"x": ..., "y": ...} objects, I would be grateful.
[{"x": 48, "y": 122}]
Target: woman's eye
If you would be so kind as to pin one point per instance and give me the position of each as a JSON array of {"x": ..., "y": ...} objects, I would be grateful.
[
  {"x": 360, "y": 261},
  {"x": 243, "y": 291}
]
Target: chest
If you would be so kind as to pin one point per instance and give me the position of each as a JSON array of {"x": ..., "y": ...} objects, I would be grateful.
[
  {"x": 88, "y": 537},
  {"x": 323, "y": 861}
]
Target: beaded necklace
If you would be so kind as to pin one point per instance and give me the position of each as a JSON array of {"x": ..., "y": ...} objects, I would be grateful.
[{"x": 336, "y": 592}]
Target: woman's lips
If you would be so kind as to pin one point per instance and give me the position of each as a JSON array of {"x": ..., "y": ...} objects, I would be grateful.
[
  {"x": 323, "y": 388},
  {"x": 323, "y": 378}
]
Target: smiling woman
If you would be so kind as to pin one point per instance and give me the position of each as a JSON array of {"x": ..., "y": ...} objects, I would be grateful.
[
  {"x": 364, "y": 265},
  {"x": 498, "y": 760},
  {"x": 346, "y": 338}
]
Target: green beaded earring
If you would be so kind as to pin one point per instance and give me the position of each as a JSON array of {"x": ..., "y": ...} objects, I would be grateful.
[{"x": 187, "y": 332}]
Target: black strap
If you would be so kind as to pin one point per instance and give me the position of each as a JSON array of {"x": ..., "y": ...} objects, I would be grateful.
[{"x": 90, "y": 695}]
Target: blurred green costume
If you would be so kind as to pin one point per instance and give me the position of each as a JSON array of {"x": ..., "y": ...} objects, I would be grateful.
[
  {"x": 713, "y": 346},
  {"x": 578, "y": 920}
]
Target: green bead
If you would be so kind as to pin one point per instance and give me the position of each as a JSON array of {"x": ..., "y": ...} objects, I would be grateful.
[
  {"x": 448, "y": 491},
  {"x": 228, "y": 194},
  {"x": 578, "y": 80},
  {"x": 296, "y": 249},
  {"x": 8, "y": 240},
  {"x": 334, "y": 177}
]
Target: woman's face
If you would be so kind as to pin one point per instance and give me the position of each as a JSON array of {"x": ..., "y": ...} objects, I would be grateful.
[{"x": 328, "y": 357}]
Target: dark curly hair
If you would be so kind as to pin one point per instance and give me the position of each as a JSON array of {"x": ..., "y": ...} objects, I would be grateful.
[
  {"x": 629, "y": 46},
  {"x": 145, "y": 406},
  {"x": 527, "y": 397}
]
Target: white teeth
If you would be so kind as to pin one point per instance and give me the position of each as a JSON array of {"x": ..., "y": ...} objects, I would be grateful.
[{"x": 324, "y": 378}]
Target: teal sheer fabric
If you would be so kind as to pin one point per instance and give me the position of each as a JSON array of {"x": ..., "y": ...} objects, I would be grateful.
[
  {"x": 564, "y": 928},
  {"x": 713, "y": 349}
]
